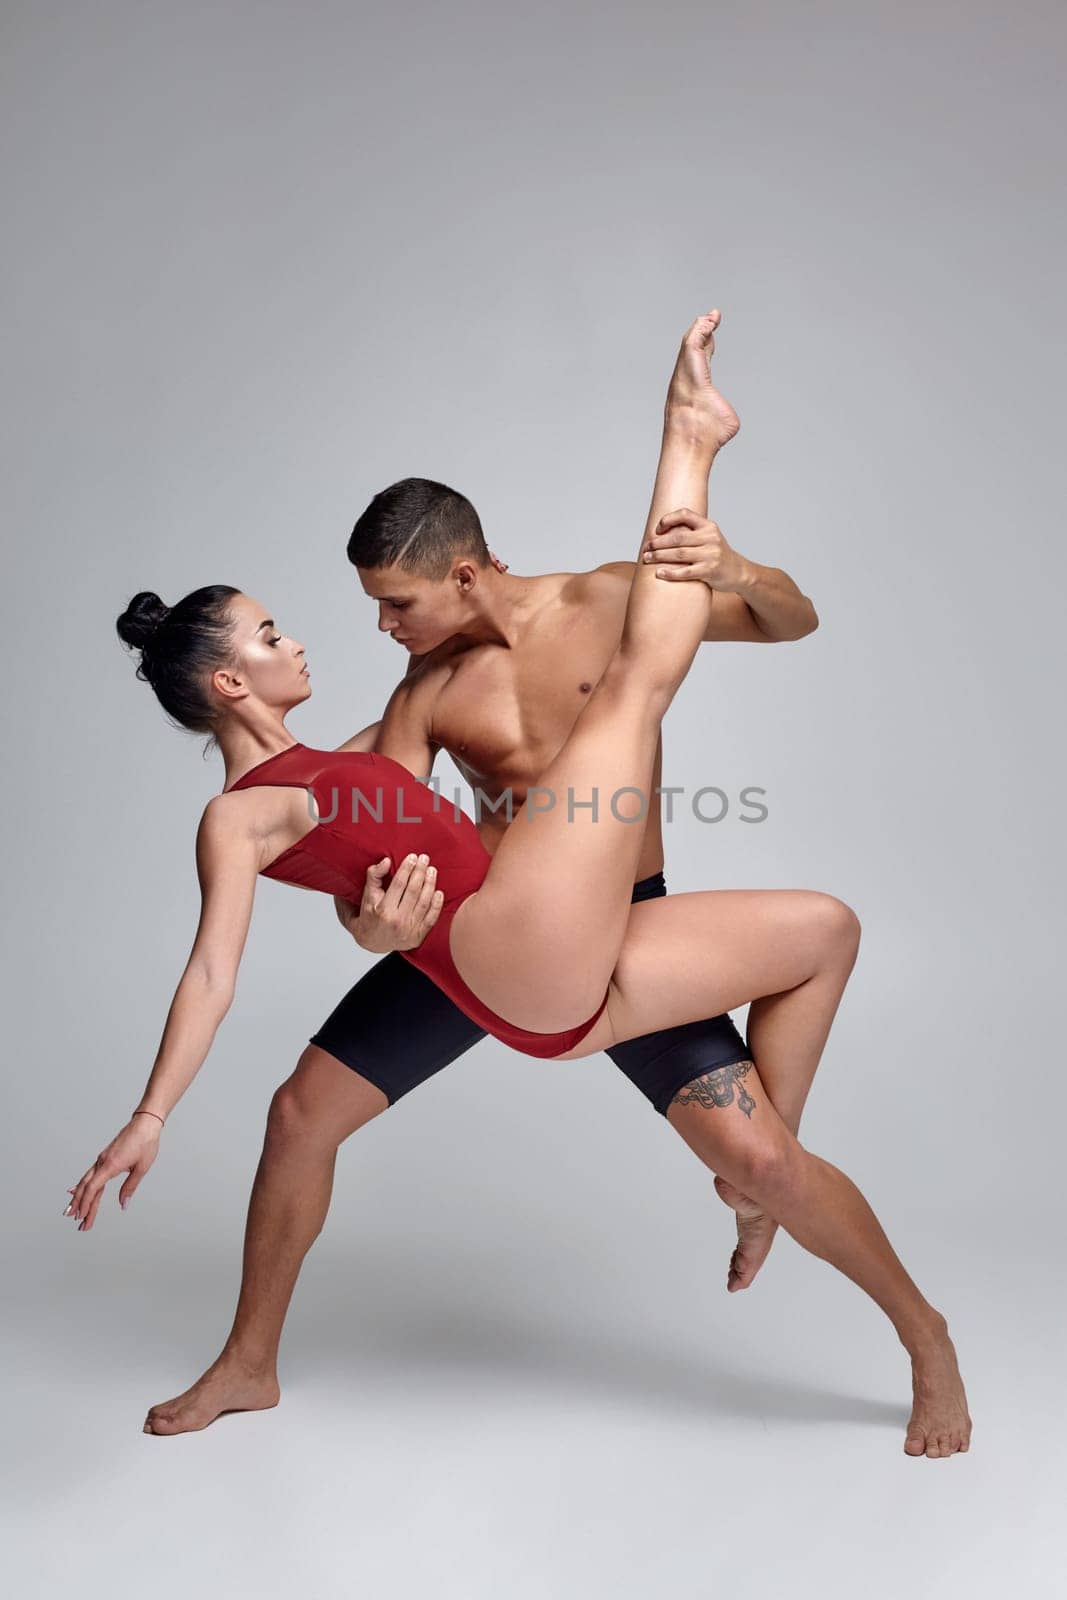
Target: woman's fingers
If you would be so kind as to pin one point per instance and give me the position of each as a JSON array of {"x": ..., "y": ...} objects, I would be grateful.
[
  {"x": 78, "y": 1196},
  {"x": 91, "y": 1199},
  {"x": 129, "y": 1187}
]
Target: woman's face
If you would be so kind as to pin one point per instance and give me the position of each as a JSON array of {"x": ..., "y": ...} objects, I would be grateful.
[{"x": 269, "y": 662}]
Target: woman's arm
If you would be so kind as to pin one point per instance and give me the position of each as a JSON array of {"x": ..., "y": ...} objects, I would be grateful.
[
  {"x": 227, "y": 860},
  {"x": 363, "y": 741}
]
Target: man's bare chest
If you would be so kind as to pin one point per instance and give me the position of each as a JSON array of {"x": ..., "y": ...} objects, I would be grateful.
[{"x": 505, "y": 713}]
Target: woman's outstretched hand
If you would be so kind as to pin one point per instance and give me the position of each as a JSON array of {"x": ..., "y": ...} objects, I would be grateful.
[
  {"x": 687, "y": 548},
  {"x": 398, "y": 917},
  {"x": 132, "y": 1151}
]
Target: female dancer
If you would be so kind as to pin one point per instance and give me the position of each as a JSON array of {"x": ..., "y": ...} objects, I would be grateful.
[{"x": 533, "y": 943}]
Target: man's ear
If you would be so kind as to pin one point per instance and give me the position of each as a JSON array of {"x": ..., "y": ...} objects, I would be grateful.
[{"x": 465, "y": 576}]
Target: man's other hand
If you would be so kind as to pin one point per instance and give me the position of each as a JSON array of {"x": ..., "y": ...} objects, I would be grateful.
[{"x": 398, "y": 917}]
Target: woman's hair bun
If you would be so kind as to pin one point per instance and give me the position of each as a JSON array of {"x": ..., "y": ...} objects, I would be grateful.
[{"x": 141, "y": 618}]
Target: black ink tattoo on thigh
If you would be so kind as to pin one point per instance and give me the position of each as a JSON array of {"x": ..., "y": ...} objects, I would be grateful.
[{"x": 717, "y": 1089}]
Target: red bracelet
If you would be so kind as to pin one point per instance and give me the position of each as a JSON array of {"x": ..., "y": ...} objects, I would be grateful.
[{"x": 143, "y": 1113}]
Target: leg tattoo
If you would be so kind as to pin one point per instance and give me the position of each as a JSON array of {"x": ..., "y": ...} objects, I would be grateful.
[{"x": 717, "y": 1089}]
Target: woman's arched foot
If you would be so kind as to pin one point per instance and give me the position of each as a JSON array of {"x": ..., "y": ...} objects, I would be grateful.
[
  {"x": 755, "y": 1235},
  {"x": 940, "y": 1424},
  {"x": 228, "y": 1385},
  {"x": 693, "y": 402}
]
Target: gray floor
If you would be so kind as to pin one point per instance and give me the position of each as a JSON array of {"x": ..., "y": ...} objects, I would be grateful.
[{"x": 572, "y": 1419}]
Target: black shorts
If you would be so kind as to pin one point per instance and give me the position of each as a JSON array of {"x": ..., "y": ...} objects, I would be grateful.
[{"x": 396, "y": 1028}]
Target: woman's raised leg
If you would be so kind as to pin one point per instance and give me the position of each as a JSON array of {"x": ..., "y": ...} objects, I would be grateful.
[{"x": 557, "y": 896}]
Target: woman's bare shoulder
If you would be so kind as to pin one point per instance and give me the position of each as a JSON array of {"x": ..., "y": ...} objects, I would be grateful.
[{"x": 237, "y": 820}]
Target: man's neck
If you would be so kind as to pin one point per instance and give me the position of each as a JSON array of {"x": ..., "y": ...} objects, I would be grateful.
[{"x": 503, "y": 606}]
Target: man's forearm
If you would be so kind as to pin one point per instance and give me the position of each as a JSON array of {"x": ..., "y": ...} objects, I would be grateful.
[{"x": 780, "y": 609}]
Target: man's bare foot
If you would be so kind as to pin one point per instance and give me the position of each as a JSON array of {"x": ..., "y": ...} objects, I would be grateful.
[
  {"x": 694, "y": 406},
  {"x": 940, "y": 1424},
  {"x": 227, "y": 1385},
  {"x": 755, "y": 1235}
]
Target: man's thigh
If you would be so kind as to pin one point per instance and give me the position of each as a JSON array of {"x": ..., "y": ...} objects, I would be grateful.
[
  {"x": 396, "y": 1029},
  {"x": 661, "y": 1064}
]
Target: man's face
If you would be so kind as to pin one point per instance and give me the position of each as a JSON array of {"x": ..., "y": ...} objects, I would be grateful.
[{"x": 418, "y": 613}]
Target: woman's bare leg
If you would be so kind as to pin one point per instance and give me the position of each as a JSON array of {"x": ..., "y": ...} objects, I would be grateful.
[
  {"x": 557, "y": 896},
  {"x": 692, "y": 955}
]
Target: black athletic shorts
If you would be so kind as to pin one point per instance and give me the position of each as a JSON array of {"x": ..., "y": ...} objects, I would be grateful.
[{"x": 396, "y": 1028}]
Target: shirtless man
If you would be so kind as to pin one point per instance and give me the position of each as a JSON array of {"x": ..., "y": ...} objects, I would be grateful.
[{"x": 500, "y": 668}]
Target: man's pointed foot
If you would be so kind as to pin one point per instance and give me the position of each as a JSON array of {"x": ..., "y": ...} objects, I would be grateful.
[{"x": 755, "y": 1235}]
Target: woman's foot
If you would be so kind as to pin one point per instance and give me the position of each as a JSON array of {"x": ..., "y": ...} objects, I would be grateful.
[
  {"x": 694, "y": 406},
  {"x": 940, "y": 1424},
  {"x": 229, "y": 1384},
  {"x": 755, "y": 1235}
]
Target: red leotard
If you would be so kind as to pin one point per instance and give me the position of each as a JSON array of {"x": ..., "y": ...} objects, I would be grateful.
[{"x": 370, "y": 806}]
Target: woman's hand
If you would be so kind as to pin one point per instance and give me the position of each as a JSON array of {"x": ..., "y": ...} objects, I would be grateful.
[
  {"x": 687, "y": 548},
  {"x": 398, "y": 917},
  {"x": 132, "y": 1151}
]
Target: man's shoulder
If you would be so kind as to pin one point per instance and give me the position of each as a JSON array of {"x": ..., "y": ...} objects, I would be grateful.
[
  {"x": 611, "y": 582},
  {"x": 426, "y": 674}
]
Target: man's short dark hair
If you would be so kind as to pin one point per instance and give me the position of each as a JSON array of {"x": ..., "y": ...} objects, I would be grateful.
[{"x": 420, "y": 526}]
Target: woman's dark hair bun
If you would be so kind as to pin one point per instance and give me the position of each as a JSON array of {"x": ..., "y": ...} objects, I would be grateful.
[
  {"x": 141, "y": 618},
  {"x": 181, "y": 646}
]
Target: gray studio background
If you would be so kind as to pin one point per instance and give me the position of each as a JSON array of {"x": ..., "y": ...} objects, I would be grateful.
[{"x": 263, "y": 260}]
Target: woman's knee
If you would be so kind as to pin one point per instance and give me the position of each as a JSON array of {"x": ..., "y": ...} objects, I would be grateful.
[{"x": 837, "y": 925}]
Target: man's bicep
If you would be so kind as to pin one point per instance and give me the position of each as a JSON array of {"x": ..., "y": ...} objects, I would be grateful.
[{"x": 404, "y": 734}]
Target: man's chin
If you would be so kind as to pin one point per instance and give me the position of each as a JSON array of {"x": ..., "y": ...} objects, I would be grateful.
[{"x": 422, "y": 647}]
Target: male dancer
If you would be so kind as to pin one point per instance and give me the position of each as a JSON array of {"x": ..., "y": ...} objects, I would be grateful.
[{"x": 500, "y": 669}]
